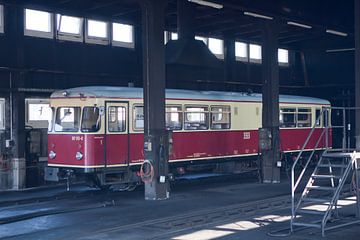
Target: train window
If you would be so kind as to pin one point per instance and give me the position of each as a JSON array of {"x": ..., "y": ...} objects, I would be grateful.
[
  {"x": 67, "y": 119},
  {"x": 117, "y": 119},
  {"x": 220, "y": 117},
  {"x": 138, "y": 117},
  {"x": 287, "y": 117},
  {"x": 317, "y": 118},
  {"x": 173, "y": 117},
  {"x": 304, "y": 117},
  {"x": 196, "y": 118},
  {"x": 90, "y": 119}
]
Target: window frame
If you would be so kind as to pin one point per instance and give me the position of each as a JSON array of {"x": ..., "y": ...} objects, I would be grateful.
[
  {"x": 180, "y": 112},
  {"x": 94, "y": 39},
  {"x": 284, "y": 64},
  {"x": 255, "y": 60},
  {"x": 108, "y": 119},
  {"x": 82, "y": 119},
  {"x": 134, "y": 118},
  {"x": 56, "y": 115},
  {"x": 239, "y": 58},
  {"x": 220, "y": 56},
  {"x": 36, "y": 123},
  {"x": 320, "y": 123},
  {"x": 39, "y": 33},
  {"x": 2, "y": 22},
  {"x": 65, "y": 36},
  {"x": 294, "y": 112},
  {"x": 117, "y": 43},
  {"x": 214, "y": 112},
  {"x": 207, "y": 113},
  {"x": 309, "y": 113}
]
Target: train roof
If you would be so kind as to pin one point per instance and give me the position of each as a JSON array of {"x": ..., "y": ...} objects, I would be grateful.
[{"x": 131, "y": 93}]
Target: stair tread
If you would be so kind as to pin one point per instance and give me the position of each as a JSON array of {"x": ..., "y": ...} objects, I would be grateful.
[
  {"x": 333, "y": 165},
  {"x": 322, "y": 188},
  {"x": 319, "y": 200},
  {"x": 311, "y": 212},
  {"x": 337, "y": 154},
  {"x": 324, "y": 176},
  {"x": 303, "y": 224}
]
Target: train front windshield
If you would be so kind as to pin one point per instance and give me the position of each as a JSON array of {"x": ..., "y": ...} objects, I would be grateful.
[{"x": 68, "y": 119}]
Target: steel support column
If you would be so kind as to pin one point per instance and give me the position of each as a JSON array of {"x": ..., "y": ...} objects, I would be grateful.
[
  {"x": 357, "y": 73},
  {"x": 185, "y": 20},
  {"x": 229, "y": 58},
  {"x": 17, "y": 99},
  {"x": 153, "y": 16},
  {"x": 270, "y": 99}
]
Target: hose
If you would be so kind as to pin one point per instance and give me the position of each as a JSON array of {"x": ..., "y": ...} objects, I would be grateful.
[{"x": 147, "y": 171}]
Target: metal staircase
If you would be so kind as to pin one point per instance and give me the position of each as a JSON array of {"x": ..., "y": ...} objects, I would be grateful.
[{"x": 322, "y": 189}]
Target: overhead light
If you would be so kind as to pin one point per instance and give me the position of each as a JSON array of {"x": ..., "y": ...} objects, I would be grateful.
[
  {"x": 336, "y": 33},
  {"x": 258, "y": 15},
  {"x": 299, "y": 25},
  {"x": 340, "y": 50},
  {"x": 206, "y": 3}
]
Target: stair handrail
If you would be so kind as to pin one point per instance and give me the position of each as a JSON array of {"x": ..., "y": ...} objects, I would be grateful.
[{"x": 293, "y": 184}]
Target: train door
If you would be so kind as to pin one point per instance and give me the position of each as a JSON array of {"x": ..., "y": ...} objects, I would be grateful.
[{"x": 117, "y": 134}]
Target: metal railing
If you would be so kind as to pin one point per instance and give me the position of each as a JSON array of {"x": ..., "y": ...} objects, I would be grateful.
[{"x": 325, "y": 117}]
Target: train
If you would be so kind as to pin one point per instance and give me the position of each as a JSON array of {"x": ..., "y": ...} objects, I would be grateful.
[{"x": 96, "y": 132}]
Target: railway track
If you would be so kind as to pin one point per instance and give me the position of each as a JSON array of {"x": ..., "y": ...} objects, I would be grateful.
[{"x": 166, "y": 227}]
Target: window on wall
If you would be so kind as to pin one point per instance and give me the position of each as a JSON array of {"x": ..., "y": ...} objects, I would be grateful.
[
  {"x": 122, "y": 35},
  {"x": 1, "y": 19},
  {"x": 196, "y": 118},
  {"x": 69, "y": 28},
  {"x": 38, "y": 23},
  {"x": 97, "y": 32},
  {"x": 204, "y": 39},
  {"x": 255, "y": 53},
  {"x": 220, "y": 117},
  {"x": 283, "y": 57},
  {"x": 38, "y": 113},
  {"x": 216, "y": 46},
  {"x": 241, "y": 51},
  {"x": 173, "y": 117}
]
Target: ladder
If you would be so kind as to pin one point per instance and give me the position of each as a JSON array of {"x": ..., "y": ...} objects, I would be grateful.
[{"x": 318, "y": 202}]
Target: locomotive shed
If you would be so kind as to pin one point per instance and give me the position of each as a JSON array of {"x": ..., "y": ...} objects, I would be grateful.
[{"x": 179, "y": 119}]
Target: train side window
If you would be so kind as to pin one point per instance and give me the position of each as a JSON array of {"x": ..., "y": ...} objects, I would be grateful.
[
  {"x": 304, "y": 117},
  {"x": 67, "y": 119},
  {"x": 317, "y": 118},
  {"x": 287, "y": 117},
  {"x": 117, "y": 119},
  {"x": 220, "y": 117},
  {"x": 90, "y": 119},
  {"x": 174, "y": 117},
  {"x": 196, "y": 118},
  {"x": 138, "y": 117}
]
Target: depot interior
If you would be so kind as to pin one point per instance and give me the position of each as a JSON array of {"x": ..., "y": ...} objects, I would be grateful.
[{"x": 47, "y": 46}]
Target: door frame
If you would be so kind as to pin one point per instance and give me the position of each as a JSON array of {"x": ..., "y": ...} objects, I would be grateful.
[{"x": 127, "y": 132}]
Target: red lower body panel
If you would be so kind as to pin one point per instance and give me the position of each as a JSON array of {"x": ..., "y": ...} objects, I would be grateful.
[{"x": 122, "y": 149}]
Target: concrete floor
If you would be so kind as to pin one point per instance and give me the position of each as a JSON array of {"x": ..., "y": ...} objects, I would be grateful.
[{"x": 228, "y": 209}]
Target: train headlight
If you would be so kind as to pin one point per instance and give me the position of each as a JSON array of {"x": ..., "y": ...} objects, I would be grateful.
[
  {"x": 52, "y": 154},
  {"x": 79, "y": 155}
]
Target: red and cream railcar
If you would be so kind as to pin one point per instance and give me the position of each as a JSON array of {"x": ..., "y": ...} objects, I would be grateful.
[{"x": 98, "y": 128}]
